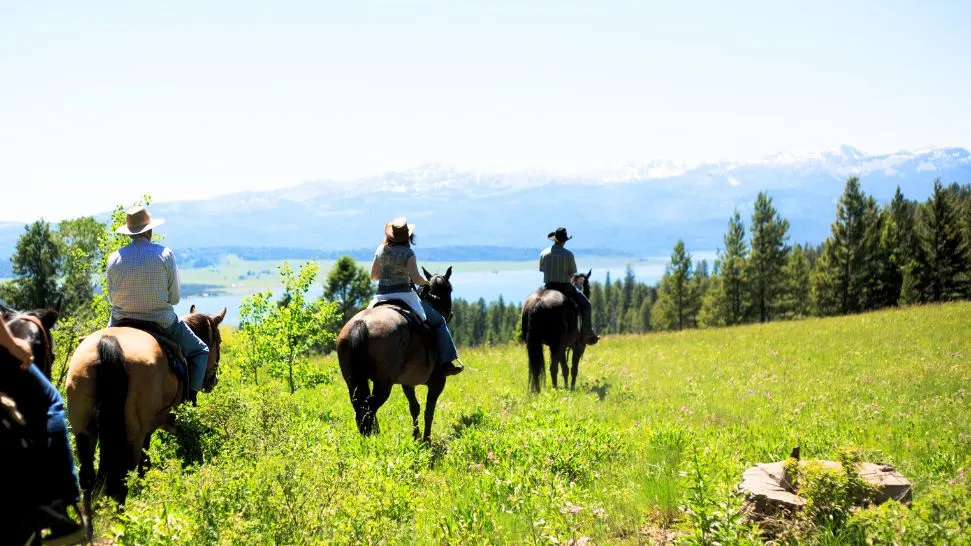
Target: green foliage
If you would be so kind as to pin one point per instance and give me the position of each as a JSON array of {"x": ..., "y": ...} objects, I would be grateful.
[
  {"x": 281, "y": 336},
  {"x": 349, "y": 285},
  {"x": 713, "y": 510},
  {"x": 81, "y": 242}
]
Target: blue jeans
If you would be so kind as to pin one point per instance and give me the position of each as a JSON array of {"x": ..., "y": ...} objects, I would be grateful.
[
  {"x": 443, "y": 338},
  {"x": 195, "y": 350},
  {"x": 50, "y": 475}
]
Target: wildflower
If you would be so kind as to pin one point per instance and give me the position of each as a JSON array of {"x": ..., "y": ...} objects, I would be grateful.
[
  {"x": 600, "y": 513},
  {"x": 571, "y": 508},
  {"x": 491, "y": 457}
]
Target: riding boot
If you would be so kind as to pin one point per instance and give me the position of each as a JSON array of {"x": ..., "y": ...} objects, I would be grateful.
[
  {"x": 191, "y": 397},
  {"x": 452, "y": 367}
]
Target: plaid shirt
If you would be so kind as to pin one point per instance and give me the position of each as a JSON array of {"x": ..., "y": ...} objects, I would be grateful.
[
  {"x": 557, "y": 264},
  {"x": 143, "y": 283}
]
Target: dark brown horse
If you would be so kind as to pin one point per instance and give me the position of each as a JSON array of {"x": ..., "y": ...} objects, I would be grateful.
[
  {"x": 34, "y": 327},
  {"x": 380, "y": 346},
  {"x": 550, "y": 318},
  {"x": 119, "y": 390}
]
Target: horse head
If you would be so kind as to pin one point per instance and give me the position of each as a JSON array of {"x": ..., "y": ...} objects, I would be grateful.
[
  {"x": 438, "y": 292},
  {"x": 582, "y": 282},
  {"x": 207, "y": 328},
  {"x": 34, "y": 327}
]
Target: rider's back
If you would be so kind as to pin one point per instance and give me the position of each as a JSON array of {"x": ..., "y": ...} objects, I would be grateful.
[{"x": 143, "y": 283}]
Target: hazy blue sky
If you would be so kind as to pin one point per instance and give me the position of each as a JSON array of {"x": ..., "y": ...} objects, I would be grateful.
[{"x": 103, "y": 101}]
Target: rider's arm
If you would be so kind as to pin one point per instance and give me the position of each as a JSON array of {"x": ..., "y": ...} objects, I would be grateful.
[
  {"x": 17, "y": 347},
  {"x": 573, "y": 264},
  {"x": 375, "y": 270},
  {"x": 413, "y": 272},
  {"x": 174, "y": 284}
]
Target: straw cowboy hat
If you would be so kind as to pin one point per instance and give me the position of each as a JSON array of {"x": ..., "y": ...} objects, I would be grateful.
[
  {"x": 559, "y": 235},
  {"x": 138, "y": 221},
  {"x": 399, "y": 230}
]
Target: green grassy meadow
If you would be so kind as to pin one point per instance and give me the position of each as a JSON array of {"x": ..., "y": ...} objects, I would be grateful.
[{"x": 654, "y": 418}]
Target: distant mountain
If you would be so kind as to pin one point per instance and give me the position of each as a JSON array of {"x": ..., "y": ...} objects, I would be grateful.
[{"x": 638, "y": 209}]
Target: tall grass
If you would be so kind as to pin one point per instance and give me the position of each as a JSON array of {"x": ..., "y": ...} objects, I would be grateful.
[{"x": 652, "y": 442}]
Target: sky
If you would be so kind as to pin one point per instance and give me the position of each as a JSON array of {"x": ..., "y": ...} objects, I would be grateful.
[{"x": 101, "y": 102}]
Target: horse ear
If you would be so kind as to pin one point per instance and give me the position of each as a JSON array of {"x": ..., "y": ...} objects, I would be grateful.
[
  {"x": 427, "y": 274},
  {"x": 219, "y": 318},
  {"x": 448, "y": 273},
  {"x": 192, "y": 309},
  {"x": 589, "y": 274},
  {"x": 48, "y": 317}
]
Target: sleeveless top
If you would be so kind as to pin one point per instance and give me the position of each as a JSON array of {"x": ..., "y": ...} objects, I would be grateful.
[{"x": 393, "y": 268}]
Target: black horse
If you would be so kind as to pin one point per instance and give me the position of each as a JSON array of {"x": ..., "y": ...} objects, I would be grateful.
[
  {"x": 550, "y": 318},
  {"x": 380, "y": 346}
]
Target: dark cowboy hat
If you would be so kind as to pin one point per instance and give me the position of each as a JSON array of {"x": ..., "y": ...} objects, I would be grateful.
[{"x": 559, "y": 235}]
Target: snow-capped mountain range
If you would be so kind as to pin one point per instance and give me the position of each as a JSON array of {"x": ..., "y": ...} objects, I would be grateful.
[{"x": 639, "y": 209}]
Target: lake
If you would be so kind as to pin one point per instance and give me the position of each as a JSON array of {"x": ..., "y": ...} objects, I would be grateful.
[{"x": 514, "y": 281}]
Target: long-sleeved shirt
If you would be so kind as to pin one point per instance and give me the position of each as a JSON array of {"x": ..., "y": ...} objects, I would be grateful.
[
  {"x": 557, "y": 264},
  {"x": 143, "y": 283}
]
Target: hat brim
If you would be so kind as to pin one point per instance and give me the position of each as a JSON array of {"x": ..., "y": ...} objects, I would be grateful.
[
  {"x": 389, "y": 230},
  {"x": 552, "y": 237},
  {"x": 151, "y": 225}
]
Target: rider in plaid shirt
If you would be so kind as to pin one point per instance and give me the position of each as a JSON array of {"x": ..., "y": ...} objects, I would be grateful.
[{"x": 143, "y": 284}]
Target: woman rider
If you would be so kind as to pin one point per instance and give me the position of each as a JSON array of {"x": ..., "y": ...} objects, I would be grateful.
[{"x": 395, "y": 268}]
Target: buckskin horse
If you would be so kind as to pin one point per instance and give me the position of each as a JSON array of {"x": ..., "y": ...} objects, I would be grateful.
[
  {"x": 120, "y": 389},
  {"x": 550, "y": 318},
  {"x": 381, "y": 346}
]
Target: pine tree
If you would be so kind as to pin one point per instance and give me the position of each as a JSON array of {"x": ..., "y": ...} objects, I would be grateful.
[
  {"x": 349, "y": 285},
  {"x": 796, "y": 301},
  {"x": 849, "y": 276},
  {"x": 36, "y": 261},
  {"x": 768, "y": 257},
  {"x": 897, "y": 244},
  {"x": 943, "y": 258},
  {"x": 715, "y": 305},
  {"x": 671, "y": 310},
  {"x": 80, "y": 241}
]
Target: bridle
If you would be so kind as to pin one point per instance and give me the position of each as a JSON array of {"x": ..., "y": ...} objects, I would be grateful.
[{"x": 435, "y": 300}]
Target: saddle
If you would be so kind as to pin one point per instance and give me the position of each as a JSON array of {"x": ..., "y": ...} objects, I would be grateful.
[
  {"x": 177, "y": 361},
  {"x": 572, "y": 295},
  {"x": 415, "y": 322}
]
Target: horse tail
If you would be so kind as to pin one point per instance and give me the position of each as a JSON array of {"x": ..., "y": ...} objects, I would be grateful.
[
  {"x": 358, "y": 339},
  {"x": 112, "y": 388},
  {"x": 534, "y": 350}
]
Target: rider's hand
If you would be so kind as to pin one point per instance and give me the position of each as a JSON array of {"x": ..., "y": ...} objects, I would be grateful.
[{"x": 20, "y": 350}]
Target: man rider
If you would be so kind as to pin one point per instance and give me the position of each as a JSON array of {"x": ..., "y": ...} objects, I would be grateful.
[
  {"x": 143, "y": 284},
  {"x": 558, "y": 266}
]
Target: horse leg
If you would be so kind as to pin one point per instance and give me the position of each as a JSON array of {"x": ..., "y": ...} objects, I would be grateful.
[
  {"x": 435, "y": 387},
  {"x": 563, "y": 366},
  {"x": 414, "y": 407},
  {"x": 360, "y": 392},
  {"x": 378, "y": 397},
  {"x": 86, "y": 442},
  {"x": 145, "y": 463},
  {"x": 577, "y": 355},
  {"x": 554, "y": 357}
]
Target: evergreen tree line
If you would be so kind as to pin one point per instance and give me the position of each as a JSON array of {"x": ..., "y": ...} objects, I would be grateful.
[{"x": 901, "y": 253}]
